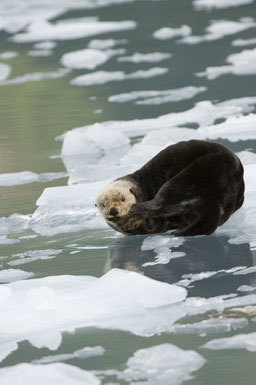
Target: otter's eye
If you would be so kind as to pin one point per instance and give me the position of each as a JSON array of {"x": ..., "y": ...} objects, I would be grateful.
[
  {"x": 122, "y": 199},
  {"x": 95, "y": 205}
]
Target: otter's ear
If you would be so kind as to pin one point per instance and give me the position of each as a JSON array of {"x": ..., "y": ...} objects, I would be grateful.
[{"x": 133, "y": 191}]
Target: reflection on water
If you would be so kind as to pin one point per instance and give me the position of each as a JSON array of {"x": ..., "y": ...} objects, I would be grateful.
[{"x": 202, "y": 254}]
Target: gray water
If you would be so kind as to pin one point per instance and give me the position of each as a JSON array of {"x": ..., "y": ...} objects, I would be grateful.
[{"x": 33, "y": 114}]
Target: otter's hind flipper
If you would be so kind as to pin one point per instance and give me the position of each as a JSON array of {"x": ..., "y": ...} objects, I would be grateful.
[{"x": 205, "y": 224}]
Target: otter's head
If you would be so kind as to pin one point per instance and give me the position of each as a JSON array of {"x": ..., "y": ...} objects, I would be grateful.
[{"x": 116, "y": 199}]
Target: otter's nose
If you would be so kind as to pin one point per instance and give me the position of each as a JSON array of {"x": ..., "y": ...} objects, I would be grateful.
[{"x": 113, "y": 211}]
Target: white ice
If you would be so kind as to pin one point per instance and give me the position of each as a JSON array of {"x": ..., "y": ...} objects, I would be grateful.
[
  {"x": 219, "y": 29},
  {"x": 219, "y": 4},
  {"x": 106, "y": 43},
  {"x": 235, "y": 128},
  {"x": 5, "y": 71},
  {"x": 210, "y": 326},
  {"x": 40, "y": 52},
  {"x": 117, "y": 300},
  {"x": 56, "y": 373},
  {"x": 15, "y": 223},
  {"x": 245, "y": 288},
  {"x": 157, "y": 97},
  {"x": 35, "y": 77},
  {"x": 162, "y": 246},
  {"x": 11, "y": 275},
  {"x": 88, "y": 58},
  {"x": 138, "y": 57},
  {"x": 23, "y": 177},
  {"x": 4, "y": 240},
  {"x": 161, "y": 364},
  {"x": 69, "y": 29},
  {"x": 86, "y": 352},
  {"x": 242, "y": 42},
  {"x": 7, "y": 55},
  {"x": 239, "y": 341},
  {"x": 169, "y": 33},
  {"x": 45, "y": 45},
  {"x": 242, "y": 63},
  {"x": 33, "y": 255},
  {"x": 102, "y": 77}
]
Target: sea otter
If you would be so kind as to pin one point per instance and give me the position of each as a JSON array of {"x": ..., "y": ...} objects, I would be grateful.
[{"x": 192, "y": 186}]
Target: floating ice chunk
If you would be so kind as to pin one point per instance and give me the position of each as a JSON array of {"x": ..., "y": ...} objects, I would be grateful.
[
  {"x": 35, "y": 77},
  {"x": 118, "y": 300},
  {"x": 86, "y": 352},
  {"x": 68, "y": 208},
  {"x": 5, "y": 71},
  {"x": 51, "y": 339},
  {"x": 157, "y": 97},
  {"x": 162, "y": 247},
  {"x": 242, "y": 42},
  {"x": 57, "y": 374},
  {"x": 210, "y": 326},
  {"x": 234, "y": 128},
  {"x": 93, "y": 173},
  {"x": 138, "y": 57},
  {"x": 247, "y": 157},
  {"x": 23, "y": 177},
  {"x": 8, "y": 55},
  {"x": 203, "y": 113},
  {"x": 7, "y": 349},
  {"x": 169, "y": 33},
  {"x": 239, "y": 341},
  {"x": 164, "y": 256},
  {"x": 88, "y": 58},
  {"x": 242, "y": 63},
  {"x": 161, "y": 364},
  {"x": 247, "y": 104},
  {"x": 7, "y": 241},
  {"x": 45, "y": 45},
  {"x": 91, "y": 145},
  {"x": 248, "y": 270},
  {"x": 245, "y": 288},
  {"x": 102, "y": 77},
  {"x": 219, "y": 29},
  {"x": 33, "y": 255},
  {"x": 209, "y": 4},
  {"x": 15, "y": 223},
  {"x": 105, "y": 43},
  {"x": 70, "y": 29},
  {"x": 11, "y": 275}
]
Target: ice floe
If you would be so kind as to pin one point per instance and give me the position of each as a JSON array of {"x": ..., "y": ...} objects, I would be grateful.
[
  {"x": 11, "y": 275},
  {"x": 15, "y": 223},
  {"x": 56, "y": 373},
  {"x": 5, "y": 71},
  {"x": 161, "y": 364},
  {"x": 245, "y": 288},
  {"x": 102, "y": 77},
  {"x": 138, "y": 57},
  {"x": 106, "y": 43},
  {"x": 88, "y": 58},
  {"x": 219, "y": 4},
  {"x": 86, "y": 352},
  {"x": 157, "y": 97},
  {"x": 7, "y": 55},
  {"x": 242, "y": 42},
  {"x": 69, "y": 29},
  {"x": 35, "y": 77},
  {"x": 117, "y": 301},
  {"x": 45, "y": 45},
  {"x": 235, "y": 128},
  {"x": 169, "y": 33},
  {"x": 212, "y": 325},
  {"x": 219, "y": 29},
  {"x": 242, "y": 63},
  {"x": 23, "y": 177},
  {"x": 33, "y": 255},
  {"x": 239, "y": 341},
  {"x": 8, "y": 241},
  {"x": 40, "y": 52}
]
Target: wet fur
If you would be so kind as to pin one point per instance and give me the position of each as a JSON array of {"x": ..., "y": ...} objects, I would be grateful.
[{"x": 192, "y": 187}]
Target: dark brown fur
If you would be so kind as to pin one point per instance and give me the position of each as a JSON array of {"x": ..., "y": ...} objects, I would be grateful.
[{"x": 191, "y": 186}]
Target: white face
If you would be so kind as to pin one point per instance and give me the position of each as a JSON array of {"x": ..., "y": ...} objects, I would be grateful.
[{"x": 116, "y": 200}]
